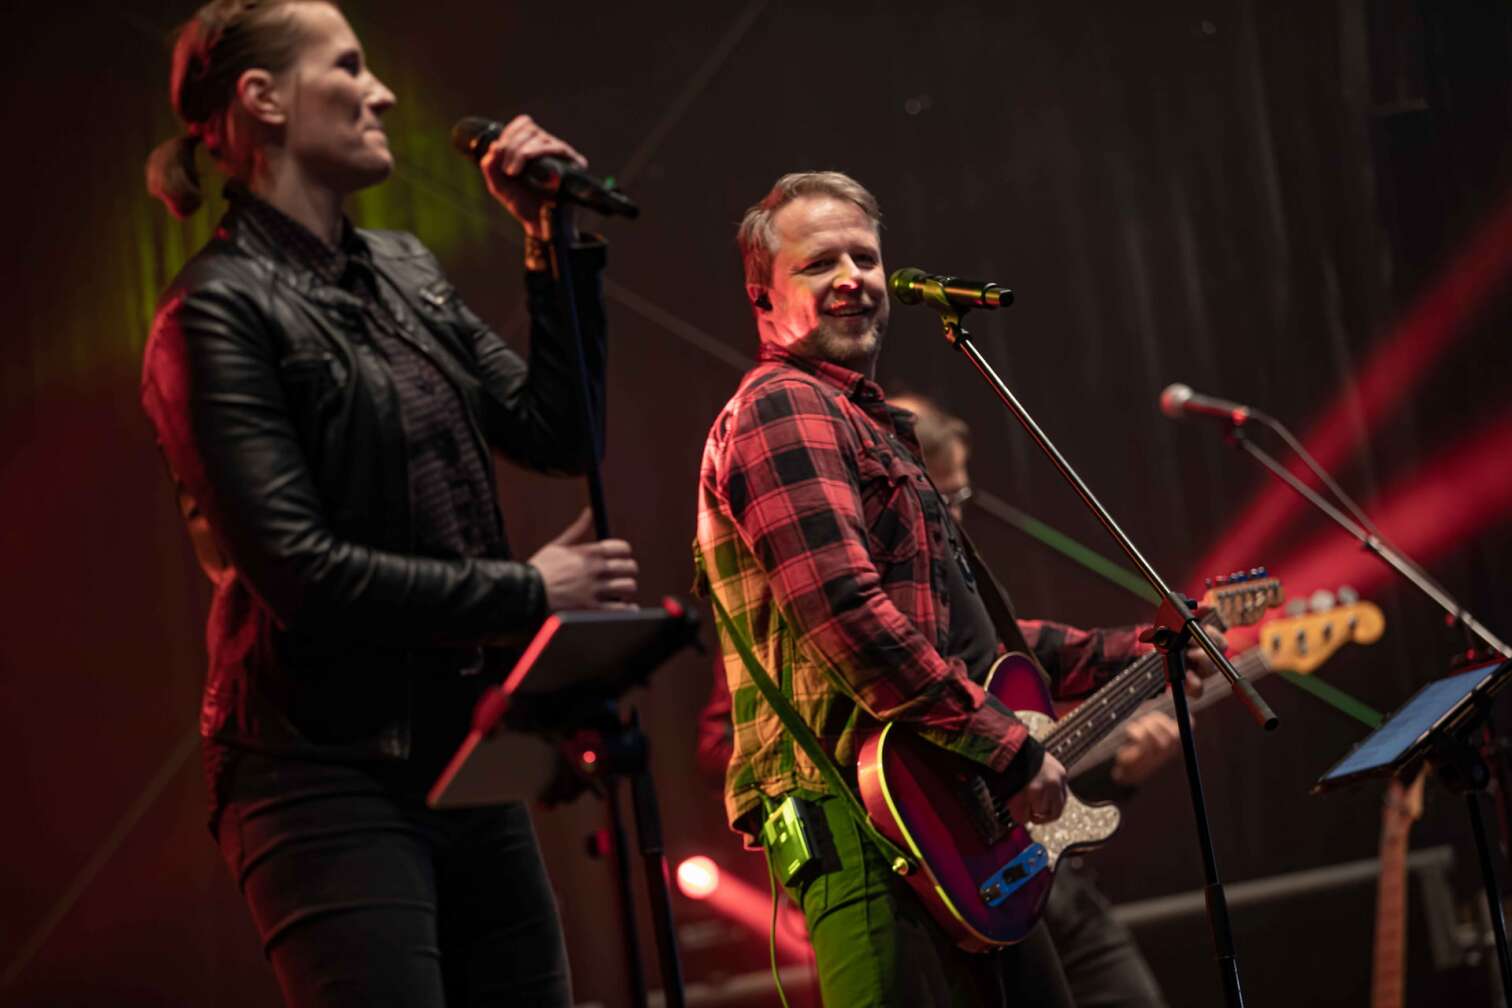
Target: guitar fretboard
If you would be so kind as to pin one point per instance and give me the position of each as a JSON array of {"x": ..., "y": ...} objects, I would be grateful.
[{"x": 1079, "y": 732}]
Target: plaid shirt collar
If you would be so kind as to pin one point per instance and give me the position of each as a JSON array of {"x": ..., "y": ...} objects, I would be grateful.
[
  {"x": 858, "y": 388},
  {"x": 298, "y": 242}
]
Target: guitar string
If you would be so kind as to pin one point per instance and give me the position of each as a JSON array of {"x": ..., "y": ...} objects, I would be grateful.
[
  {"x": 1116, "y": 708},
  {"x": 1260, "y": 599},
  {"x": 1117, "y": 687}
]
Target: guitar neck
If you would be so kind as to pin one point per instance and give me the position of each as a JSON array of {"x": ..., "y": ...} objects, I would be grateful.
[
  {"x": 1386, "y": 988},
  {"x": 1251, "y": 664}
]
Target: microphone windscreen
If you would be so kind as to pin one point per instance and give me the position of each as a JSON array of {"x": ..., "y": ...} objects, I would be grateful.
[
  {"x": 902, "y": 284},
  {"x": 1174, "y": 398},
  {"x": 473, "y": 134}
]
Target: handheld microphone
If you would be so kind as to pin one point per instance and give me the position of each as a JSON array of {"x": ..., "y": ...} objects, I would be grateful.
[
  {"x": 1178, "y": 402},
  {"x": 552, "y": 176},
  {"x": 911, "y": 286}
]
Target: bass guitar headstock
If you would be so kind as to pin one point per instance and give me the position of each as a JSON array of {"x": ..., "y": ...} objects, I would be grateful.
[
  {"x": 1314, "y": 630},
  {"x": 1243, "y": 597}
]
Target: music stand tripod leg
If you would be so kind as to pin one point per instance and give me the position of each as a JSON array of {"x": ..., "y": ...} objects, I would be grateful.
[
  {"x": 1462, "y": 768},
  {"x": 648, "y": 832},
  {"x": 635, "y": 971}
]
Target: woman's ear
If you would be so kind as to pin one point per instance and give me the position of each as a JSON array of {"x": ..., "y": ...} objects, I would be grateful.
[
  {"x": 259, "y": 97},
  {"x": 758, "y": 296}
]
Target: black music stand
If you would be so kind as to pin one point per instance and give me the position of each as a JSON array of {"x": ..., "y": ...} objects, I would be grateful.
[
  {"x": 1437, "y": 724},
  {"x": 555, "y": 717}
]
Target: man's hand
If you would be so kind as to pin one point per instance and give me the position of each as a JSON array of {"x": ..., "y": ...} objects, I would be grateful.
[
  {"x": 523, "y": 141},
  {"x": 586, "y": 575},
  {"x": 1200, "y": 666},
  {"x": 1043, "y": 798},
  {"x": 1151, "y": 740}
]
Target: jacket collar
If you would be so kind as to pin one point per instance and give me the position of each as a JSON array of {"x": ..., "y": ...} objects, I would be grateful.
[{"x": 282, "y": 237}]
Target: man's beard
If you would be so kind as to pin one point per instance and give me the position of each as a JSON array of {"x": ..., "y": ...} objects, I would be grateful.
[{"x": 845, "y": 349}]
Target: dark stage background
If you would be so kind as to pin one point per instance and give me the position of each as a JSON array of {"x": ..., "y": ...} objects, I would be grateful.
[{"x": 1302, "y": 205}]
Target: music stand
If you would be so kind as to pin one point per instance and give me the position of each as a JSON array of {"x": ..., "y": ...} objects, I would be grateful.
[
  {"x": 1436, "y": 724},
  {"x": 556, "y": 710}
]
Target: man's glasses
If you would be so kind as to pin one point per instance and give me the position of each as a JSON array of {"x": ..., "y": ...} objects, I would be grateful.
[{"x": 957, "y": 498}]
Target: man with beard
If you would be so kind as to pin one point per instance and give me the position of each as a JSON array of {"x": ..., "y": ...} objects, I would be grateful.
[{"x": 820, "y": 533}]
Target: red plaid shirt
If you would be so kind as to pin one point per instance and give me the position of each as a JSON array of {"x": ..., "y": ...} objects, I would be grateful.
[{"x": 812, "y": 533}]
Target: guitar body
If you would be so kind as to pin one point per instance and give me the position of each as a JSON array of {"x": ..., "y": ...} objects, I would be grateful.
[{"x": 983, "y": 877}]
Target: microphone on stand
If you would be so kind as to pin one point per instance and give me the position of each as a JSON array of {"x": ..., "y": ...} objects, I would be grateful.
[
  {"x": 911, "y": 286},
  {"x": 552, "y": 176},
  {"x": 1178, "y": 402}
]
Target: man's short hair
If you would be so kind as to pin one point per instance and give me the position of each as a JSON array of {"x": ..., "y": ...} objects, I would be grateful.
[{"x": 758, "y": 239}]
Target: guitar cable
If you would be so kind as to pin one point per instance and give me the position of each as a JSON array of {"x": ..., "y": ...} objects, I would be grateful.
[{"x": 772, "y": 931}]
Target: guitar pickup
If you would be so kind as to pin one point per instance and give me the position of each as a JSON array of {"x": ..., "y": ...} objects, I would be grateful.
[{"x": 1012, "y": 876}]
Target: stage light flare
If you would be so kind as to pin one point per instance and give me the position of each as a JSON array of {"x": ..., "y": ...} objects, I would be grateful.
[{"x": 698, "y": 877}]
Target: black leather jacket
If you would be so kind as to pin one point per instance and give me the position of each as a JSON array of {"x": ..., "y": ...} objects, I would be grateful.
[{"x": 281, "y": 428}]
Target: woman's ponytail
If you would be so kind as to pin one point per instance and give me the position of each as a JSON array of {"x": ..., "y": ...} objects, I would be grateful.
[{"x": 173, "y": 177}]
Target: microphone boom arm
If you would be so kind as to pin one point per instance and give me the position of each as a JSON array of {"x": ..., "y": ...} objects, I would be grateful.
[{"x": 1364, "y": 530}]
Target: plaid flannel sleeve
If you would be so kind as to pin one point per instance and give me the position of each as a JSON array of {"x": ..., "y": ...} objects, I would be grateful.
[
  {"x": 1079, "y": 661},
  {"x": 790, "y": 480}
]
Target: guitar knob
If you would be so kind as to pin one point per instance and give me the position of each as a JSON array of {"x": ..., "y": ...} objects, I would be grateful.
[
  {"x": 1347, "y": 595},
  {"x": 1322, "y": 600}
]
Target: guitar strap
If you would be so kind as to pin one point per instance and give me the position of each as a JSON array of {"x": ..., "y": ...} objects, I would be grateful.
[
  {"x": 999, "y": 608},
  {"x": 900, "y": 862}
]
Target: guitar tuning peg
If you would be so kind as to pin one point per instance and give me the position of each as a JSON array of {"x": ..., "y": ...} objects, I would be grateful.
[
  {"x": 1256, "y": 573},
  {"x": 1322, "y": 600},
  {"x": 1261, "y": 572},
  {"x": 1347, "y": 595},
  {"x": 1296, "y": 607},
  {"x": 1207, "y": 583},
  {"x": 1220, "y": 581}
]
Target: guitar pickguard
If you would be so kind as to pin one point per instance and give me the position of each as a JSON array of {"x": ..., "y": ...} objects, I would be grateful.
[{"x": 1080, "y": 825}]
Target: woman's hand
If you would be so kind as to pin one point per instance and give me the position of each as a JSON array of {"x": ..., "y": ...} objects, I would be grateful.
[
  {"x": 586, "y": 575},
  {"x": 521, "y": 142}
]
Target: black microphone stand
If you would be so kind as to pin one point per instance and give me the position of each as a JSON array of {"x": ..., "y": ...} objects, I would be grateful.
[
  {"x": 1372, "y": 541},
  {"x": 1362, "y": 529},
  {"x": 629, "y": 738},
  {"x": 1176, "y": 626}
]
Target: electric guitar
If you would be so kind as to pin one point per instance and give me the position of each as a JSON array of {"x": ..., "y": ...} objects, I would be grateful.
[
  {"x": 1298, "y": 643},
  {"x": 1402, "y": 807},
  {"x": 983, "y": 876}
]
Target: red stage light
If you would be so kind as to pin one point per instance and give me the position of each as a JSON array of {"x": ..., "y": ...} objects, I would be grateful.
[
  {"x": 698, "y": 877},
  {"x": 1440, "y": 315},
  {"x": 1425, "y": 514}
]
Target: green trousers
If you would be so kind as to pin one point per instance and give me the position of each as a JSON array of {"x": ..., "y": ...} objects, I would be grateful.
[{"x": 876, "y": 946}]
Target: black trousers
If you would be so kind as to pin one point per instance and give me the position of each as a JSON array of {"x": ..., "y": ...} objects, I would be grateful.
[
  {"x": 365, "y": 897},
  {"x": 1102, "y": 963}
]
